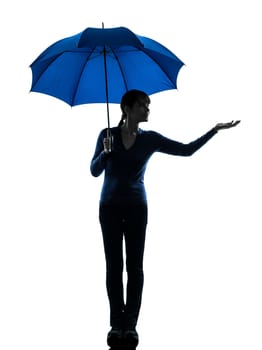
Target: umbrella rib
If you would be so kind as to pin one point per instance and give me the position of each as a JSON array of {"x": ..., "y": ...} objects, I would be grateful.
[
  {"x": 45, "y": 69},
  {"x": 120, "y": 67},
  {"x": 77, "y": 85},
  {"x": 152, "y": 58}
]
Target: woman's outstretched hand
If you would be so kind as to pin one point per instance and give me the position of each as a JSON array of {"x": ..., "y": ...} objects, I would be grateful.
[{"x": 229, "y": 125}]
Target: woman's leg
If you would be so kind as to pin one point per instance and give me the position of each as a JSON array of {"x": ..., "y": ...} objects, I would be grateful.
[
  {"x": 135, "y": 233},
  {"x": 111, "y": 224}
]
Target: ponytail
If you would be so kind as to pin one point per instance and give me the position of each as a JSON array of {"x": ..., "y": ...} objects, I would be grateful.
[{"x": 122, "y": 120}]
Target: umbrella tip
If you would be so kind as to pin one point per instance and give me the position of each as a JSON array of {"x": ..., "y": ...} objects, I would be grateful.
[{"x": 103, "y": 25}]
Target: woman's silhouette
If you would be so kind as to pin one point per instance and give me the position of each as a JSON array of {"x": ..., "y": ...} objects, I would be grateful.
[{"x": 123, "y": 205}]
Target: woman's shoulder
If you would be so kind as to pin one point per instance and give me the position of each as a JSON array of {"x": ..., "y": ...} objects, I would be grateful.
[
  {"x": 150, "y": 133},
  {"x": 114, "y": 130}
]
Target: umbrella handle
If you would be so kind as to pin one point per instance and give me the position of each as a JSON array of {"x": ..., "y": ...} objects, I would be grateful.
[{"x": 109, "y": 137}]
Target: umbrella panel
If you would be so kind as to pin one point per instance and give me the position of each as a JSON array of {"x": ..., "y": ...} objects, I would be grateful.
[
  {"x": 140, "y": 69},
  {"x": 61, "y": 76},
  {"x": 92, "y": 85}
]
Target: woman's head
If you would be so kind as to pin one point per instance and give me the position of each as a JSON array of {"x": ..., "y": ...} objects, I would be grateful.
[{"x": 129, "y": 99}]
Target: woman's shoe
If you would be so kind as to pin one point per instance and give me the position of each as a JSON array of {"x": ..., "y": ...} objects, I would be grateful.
[
  {"x": 130, "y": 338},
  {"x": 114, "y": 338}
]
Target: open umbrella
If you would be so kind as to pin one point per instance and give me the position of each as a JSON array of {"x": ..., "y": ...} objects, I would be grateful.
[{"x": 99, "y": 65}]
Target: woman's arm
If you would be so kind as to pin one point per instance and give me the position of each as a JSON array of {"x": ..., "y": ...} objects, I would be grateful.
[
  {"x": 186, "y": 150},
  {"x": 98, "y": 161}
]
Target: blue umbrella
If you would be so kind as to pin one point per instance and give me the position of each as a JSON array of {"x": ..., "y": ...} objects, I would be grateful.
[{"x": 99, "y": 65}]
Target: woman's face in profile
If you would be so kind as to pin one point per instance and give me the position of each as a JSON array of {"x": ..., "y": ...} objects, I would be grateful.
[{"x": 140, "y": 110}]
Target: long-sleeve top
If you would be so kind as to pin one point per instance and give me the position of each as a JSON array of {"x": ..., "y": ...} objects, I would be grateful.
[{"x": 124, "y": 169}]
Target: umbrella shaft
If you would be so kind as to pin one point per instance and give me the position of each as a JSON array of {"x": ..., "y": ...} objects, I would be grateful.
[{"x": 106, "y": 83}]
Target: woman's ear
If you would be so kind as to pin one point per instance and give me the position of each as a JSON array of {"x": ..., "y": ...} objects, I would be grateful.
[{"x": 126, "y": 110}]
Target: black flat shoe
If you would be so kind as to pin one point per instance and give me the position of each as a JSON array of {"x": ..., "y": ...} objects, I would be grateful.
[
  {"x": 114, "y": 338},
  {"x": 130, "y": 339}
]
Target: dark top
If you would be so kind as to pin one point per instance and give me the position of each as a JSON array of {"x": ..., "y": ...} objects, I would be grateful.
[{"x": 125, "y": 169}]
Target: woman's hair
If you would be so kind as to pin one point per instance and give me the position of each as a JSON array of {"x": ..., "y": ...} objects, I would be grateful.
[{"x": 128, "y": 100}]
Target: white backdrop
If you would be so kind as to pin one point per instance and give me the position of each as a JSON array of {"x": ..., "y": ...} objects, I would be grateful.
[{"x": 203, "y": 250}]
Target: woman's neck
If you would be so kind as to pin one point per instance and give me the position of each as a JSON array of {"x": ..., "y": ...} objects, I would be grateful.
[{"x": 130, "y": 128}]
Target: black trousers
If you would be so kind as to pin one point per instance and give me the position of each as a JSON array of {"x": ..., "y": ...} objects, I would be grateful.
[{"x": 127, "y": 222}]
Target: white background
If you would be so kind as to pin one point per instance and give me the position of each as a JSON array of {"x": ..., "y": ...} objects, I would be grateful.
[{"x": 203, "y": 250}]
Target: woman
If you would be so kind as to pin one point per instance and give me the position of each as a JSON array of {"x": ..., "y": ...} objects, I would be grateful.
[{"x": 123, "y": 205}]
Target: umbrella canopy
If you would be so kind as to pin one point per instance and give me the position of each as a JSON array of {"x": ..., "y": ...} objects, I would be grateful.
[{"x": 100, "y": 65}]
